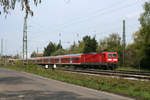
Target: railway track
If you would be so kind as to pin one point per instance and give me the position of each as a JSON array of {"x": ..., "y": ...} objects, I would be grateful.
[{"x": 122, "y": 74}]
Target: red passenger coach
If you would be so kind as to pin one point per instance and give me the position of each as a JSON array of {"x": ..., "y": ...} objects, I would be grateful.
[{"x": 103, "y": 59}]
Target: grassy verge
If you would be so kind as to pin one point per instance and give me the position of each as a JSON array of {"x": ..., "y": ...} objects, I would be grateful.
[
  {"x": 132, "y": 69},
  {"x": 138, "y": 89}
]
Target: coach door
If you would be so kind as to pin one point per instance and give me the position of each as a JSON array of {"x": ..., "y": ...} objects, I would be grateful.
[
  {"x": 82, "y": 59},
  {"x": 100, "y": 59},
  {"x": 71, "y": 60},
  {"x": 59, "y": 60},
  {"x": 103, "y": 59}
]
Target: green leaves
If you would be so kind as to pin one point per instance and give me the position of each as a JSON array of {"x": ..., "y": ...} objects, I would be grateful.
[
  {"x": 145, "y": 37},
  {"x": 33, "y": 54},
  {"x": 90, "y": 44},
  {"x": 8, "y": 5},
  {"x": 51, "y": 48},
  {"x": 111, "y": 43}
]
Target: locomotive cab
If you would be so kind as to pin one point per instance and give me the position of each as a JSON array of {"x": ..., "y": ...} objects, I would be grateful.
[{"x": 110, "y": 59}]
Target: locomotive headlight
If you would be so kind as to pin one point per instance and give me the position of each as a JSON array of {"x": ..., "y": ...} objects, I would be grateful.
[
  {"x": 115, "y": 59},
  {"x": 109, "y": 59}
]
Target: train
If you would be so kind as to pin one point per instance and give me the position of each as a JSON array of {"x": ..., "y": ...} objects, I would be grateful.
[{"x": 106, "y": 60}]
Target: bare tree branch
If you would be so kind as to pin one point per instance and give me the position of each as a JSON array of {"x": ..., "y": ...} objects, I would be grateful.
[{"x": 8, "y": 5}]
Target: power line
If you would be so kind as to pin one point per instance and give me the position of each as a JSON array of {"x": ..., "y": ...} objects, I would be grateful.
[
  {"x": 99, "y": 12},
  {"x": 102, "y": 13},
  {"x": 67, "y": 1}
]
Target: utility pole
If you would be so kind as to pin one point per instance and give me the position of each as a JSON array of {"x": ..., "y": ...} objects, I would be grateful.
[
  {"x": 124, "y": 42},
  {"x": 25, "y": 47},
  {"x": 1, "y": 50},
  {"x": 59, "y": 38},
  {"x": 37, "y": 50},
  {"x": 77, "y": 37}
]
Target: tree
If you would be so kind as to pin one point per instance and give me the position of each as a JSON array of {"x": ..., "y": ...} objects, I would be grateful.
[
  {"x": 16, "y": 56},
  {"x": 132, "y": 58},
  {"x": 8, "y": 5},
  {"x": 86, "y": 45},
  {"x": 59, "y": 52},
  {"x": 145, "y": 25},
  {"x": 80, "y": 47},
  {"x": 51, "y": 48},
  {"x": 139, "y": 52},
  {"x": 33, "y": 54},
  {"x": 74, "y": 48},
  {"x": 59, "y": 46},
  {"x": 112, "y": 43},
  {"x": 134, "y": 51},
  {"x": 90, "y": 44}
]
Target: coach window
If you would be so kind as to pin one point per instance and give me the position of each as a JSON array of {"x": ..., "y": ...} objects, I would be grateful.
[
  {"x": 75, "y": 59},
  {"x": 67, "y": 59},
  {"x": 62, "y": 59},
  {"x": 56, "y": 59},
  {"x": 51, "y": 60}
]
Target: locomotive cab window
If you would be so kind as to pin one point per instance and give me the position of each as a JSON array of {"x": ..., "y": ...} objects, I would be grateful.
[
  {"x": 109, "y": 55},
  {"x": 114, "y": 55}
]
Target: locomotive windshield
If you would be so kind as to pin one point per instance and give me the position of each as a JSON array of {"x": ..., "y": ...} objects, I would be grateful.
[
  {"x": 109, "y": 55},
  {"x": 112, "y": 55}
]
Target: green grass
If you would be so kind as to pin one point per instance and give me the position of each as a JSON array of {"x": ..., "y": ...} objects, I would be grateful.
[
  {"x": 136, "y": 89},
  {"x": 132, "y": 69},
  {"x": 127, "y": 68}
]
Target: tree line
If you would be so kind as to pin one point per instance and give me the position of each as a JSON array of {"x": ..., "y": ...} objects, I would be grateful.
[{"x": 139, "y": 51}]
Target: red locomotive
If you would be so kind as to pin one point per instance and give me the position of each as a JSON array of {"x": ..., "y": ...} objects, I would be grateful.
[{"x": 107, "y": 60}]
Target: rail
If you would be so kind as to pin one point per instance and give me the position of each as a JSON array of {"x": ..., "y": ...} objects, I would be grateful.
[{"x": 123, "y": 74}]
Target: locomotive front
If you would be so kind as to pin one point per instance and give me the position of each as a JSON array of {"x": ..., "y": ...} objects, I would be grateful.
[{"x": 111, "y": 59}]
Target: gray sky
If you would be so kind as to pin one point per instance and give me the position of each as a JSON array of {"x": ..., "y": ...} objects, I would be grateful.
[{"x": 69, "y": 17}]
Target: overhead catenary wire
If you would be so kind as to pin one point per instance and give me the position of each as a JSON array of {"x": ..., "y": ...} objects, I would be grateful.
[
  {"x": 101, "y": 12},
  {"x": 83, "y": 19}
]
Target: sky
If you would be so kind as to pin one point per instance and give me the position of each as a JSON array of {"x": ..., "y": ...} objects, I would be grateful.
[{"x": 69, "y": 21}]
